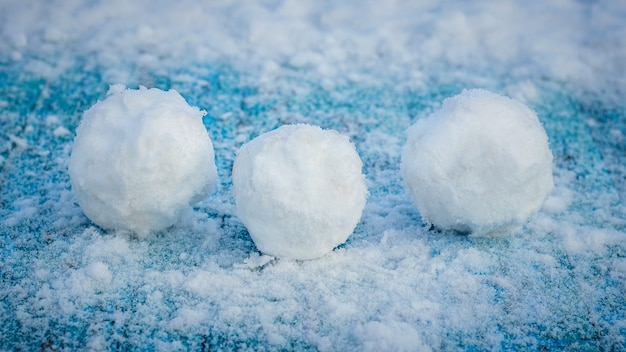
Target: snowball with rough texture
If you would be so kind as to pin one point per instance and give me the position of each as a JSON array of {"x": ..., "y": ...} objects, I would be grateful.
[
  {"x": 480, "y": 164},
  {"x": 299, "y": 190},
  {"x": 140, "y": 157}
]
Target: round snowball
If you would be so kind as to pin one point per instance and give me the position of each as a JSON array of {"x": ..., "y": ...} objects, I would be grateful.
[
  {"x": 140, "y": 157},
  {"x": 481, "y": 164},
  {"x": 299, "y": 190}
]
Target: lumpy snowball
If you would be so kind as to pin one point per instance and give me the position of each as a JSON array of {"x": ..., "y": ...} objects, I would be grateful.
[
  {"x": 299, "y": 190},
  {"x": 140, "y": 157},
  {"x": 480, "y": 165}
]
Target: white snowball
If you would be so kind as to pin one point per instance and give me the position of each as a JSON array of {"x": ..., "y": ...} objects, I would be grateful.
[
  {"x": 481, "y": 164},
  {"x": 140, "y": 157},
  {"x": 299, "y": 190}
]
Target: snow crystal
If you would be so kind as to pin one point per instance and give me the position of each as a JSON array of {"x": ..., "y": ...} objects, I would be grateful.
[
  {"x": 20, "y": 143},
  {"x": 61, "y": 132}
]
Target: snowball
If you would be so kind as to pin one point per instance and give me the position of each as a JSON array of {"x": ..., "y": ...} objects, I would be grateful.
[
  {"x": 299, "y": 190},
  {"x": 140, "y": 157},
  {"x": 481, "y": 164}
]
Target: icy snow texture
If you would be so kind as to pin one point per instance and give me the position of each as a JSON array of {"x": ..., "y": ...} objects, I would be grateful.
[
  {"x": 140, "y": 158},
  {"x": 368, "y": 69},
  {"x": 480, "y": 164},
  {"x": 299, "y": 190}
]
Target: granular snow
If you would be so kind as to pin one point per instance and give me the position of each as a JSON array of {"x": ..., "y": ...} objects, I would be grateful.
[{"x": 368, "y": 73}]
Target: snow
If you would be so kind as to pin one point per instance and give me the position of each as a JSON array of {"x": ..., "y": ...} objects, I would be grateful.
[
  {"x": 20, "y": 143},
  {"x": 140, "y": 157},
  {"x": 61, "y": 132},
  {"x": 368, "y": 70},
  {"x": 299, "y": 190},
  {"x": 481, "y": 164}
]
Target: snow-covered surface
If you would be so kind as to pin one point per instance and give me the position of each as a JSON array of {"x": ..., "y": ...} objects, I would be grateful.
[
  {"x": 368, "y": 70},
  {"x": 480, "y": 165},
  {"x": 139, "y": 159},
  {"x": 299, "y": 190}
]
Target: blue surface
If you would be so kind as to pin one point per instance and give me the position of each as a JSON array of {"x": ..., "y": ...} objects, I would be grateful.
[{"x": 537, "y": 291}]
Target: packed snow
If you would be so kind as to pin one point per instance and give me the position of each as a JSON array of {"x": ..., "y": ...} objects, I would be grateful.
[
  {"x": 140, "y": 158},
  {"x": 481, "y": 164},
  {"x": 368, "y": 70},
  {"x": 299, "y": 190}
]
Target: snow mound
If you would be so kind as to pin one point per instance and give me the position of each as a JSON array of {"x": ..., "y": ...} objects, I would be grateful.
[
  {"x": 481, "y": 164},
  {"x": 140, "y": 157},
  {"x": 299, "y": 190}
]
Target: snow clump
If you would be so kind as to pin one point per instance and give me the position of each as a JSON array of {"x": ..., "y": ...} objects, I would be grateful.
[
  {"x": 141, "y": 157},
  {"x": 480, "y": 165},
  {"x": 299, "y": 190}
]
